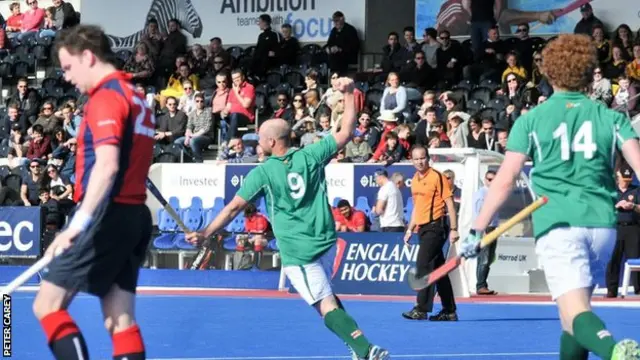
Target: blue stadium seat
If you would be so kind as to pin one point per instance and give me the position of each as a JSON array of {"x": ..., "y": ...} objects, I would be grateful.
[
  {"x": 167, "y": 226},
  {"x": 182, "y": 244},
  {"x": 165, "y": 222},
  {"x": 273, "y": 245},
  {"x": 218, "y": 204},
  {"x": 261, "y": 205},
  {"x": 192, "y": 216},
  {"x": 362, "y": 204},
  {"x": 235, "y": 226},
  {"x": 165, "y": 242},
  {"x": 229, "y": 243},
  {"x": 196, "y": 203},
  {"x": 408, "y": 209}
]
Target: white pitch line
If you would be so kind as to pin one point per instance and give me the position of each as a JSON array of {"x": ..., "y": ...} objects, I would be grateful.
[{"x": 416, "y": 356}]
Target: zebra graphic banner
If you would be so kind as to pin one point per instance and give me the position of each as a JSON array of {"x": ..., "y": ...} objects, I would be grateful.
[{"x": 234, "y": 21}]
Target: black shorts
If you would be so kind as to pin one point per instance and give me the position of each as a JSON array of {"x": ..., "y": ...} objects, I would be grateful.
[{"x": 109, "y": 252}]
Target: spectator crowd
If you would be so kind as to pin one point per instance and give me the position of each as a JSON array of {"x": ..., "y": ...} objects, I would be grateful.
[{"x": 439, "y": 93}]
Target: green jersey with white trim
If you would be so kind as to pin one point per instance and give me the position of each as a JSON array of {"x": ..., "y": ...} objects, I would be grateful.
[
  {"x": 572, "y": 142},
  {"x": 295, "y": 191}
]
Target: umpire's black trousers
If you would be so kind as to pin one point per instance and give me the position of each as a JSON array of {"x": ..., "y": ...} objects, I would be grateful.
[
  {"x": 433, "y": 236},
  {"x": 627, "y": 245}
]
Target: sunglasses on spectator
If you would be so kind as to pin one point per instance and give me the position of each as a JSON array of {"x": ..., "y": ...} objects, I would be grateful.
[
  {"x": 537, "y": 59},
  {"x": 522, "y": 30},
  {"x": 171, "y": 104},
  {"x": 419, "y": 57},
  {"x": 297, "y": 100},
  {"x": 597, "y": 72},
  {"x": 444, "y": 38}
]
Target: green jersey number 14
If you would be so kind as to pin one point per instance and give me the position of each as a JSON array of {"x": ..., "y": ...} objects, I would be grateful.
[{"x": 581, "y": 142}]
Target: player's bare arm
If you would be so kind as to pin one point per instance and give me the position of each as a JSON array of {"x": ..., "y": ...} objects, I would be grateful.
[
  {"x": 410, "y": 227},
  {"x": 225, "y": 216},
  {"x": 100, "y": 184},
  {"x": 513, "y": 17},
  {"x": 500, "y": 189},
  {"x": 348, "y": 124},
  {"x": 453, "y": 219}
]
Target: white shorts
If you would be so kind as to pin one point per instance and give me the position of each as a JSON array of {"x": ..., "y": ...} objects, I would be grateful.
[
  {"x": 312, "y": 281},
  {"x": 572, "y": 256}
]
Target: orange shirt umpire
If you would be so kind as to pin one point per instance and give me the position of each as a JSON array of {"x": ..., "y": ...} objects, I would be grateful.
[{"x": 431, "y": 194}]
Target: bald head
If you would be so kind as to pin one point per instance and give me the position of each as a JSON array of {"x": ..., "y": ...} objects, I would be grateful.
[{"x": 275, "y": 129}]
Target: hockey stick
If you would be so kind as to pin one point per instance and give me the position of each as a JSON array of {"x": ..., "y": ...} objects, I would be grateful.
[
  {"x": 562, "y": 12},
  {"x": 419, "y": 283},
  {"x": 46, "y": 259},
  {"x": 26, "y": 275},
  {"x": 165, "y": 205},
  {"x": 205, "y": 252}
]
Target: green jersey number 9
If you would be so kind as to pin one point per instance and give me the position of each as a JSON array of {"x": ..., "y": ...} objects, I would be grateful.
[
  {"x": 296, "y": 185},
  {"x": 581, "y": 142}
]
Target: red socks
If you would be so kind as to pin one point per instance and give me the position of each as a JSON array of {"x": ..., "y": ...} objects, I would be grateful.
[
  {"x": 66, "y": 341},
  {"x": 64, "y": 337},
  {"x": 128, "y": 344}
]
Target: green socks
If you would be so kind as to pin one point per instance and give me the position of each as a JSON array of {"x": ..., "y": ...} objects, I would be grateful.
[
  {"x": 346, "y": 328},
  {"x": 589, "y": 331},
  {"x": 570, "y": 349}
]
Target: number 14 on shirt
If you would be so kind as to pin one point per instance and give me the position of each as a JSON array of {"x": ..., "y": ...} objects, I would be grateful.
[{"x": 582, "y": 141}]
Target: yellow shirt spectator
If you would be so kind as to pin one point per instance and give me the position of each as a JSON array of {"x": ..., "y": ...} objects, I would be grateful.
[
  {"x": 518, "y": 70},
  {"x": 174, "y": 85},
  {"x": 633, "y": 70}
]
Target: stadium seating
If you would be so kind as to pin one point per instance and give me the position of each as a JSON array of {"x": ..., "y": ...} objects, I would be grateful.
[
  {"x": 630, "y": 266},
  {"x": 362, "y": 204},
  {"x": 229, "y": 243}
]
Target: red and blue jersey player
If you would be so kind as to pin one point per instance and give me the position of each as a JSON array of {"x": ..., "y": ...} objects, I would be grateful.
[{"x": 102, "y": 248}]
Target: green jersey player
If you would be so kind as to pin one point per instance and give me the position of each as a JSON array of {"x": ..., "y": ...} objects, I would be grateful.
[
  {"x": 572, "y": 142},
  {"x": 293, "y": 183}
]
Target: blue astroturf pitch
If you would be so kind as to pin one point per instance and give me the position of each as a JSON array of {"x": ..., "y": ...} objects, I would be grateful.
[{"x": 240, "y": 328}]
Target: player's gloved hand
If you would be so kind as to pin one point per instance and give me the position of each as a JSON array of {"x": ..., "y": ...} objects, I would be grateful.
[
  {"x": 469, "y": 247},
  {"x": 195, "y": 238}
]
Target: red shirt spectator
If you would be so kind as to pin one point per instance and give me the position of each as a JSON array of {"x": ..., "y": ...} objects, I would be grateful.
[
  {"x": 242, "y": 97},
  {"x": 33, "y": 18},
  {"x": 388, "y": 127},
  {"x": 14, "y": 22},
  {"x": 256, "y": 223},
  {"x": 40, "y": 145},
  {"x": 359, "y": 98},
  {"x": 349, "y": 219}
]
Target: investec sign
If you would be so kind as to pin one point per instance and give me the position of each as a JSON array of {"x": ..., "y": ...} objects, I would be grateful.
[{"x": 372, "y": 263}]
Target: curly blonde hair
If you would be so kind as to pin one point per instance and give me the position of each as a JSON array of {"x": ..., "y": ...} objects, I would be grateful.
[{"x": 569, "y": 60}]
